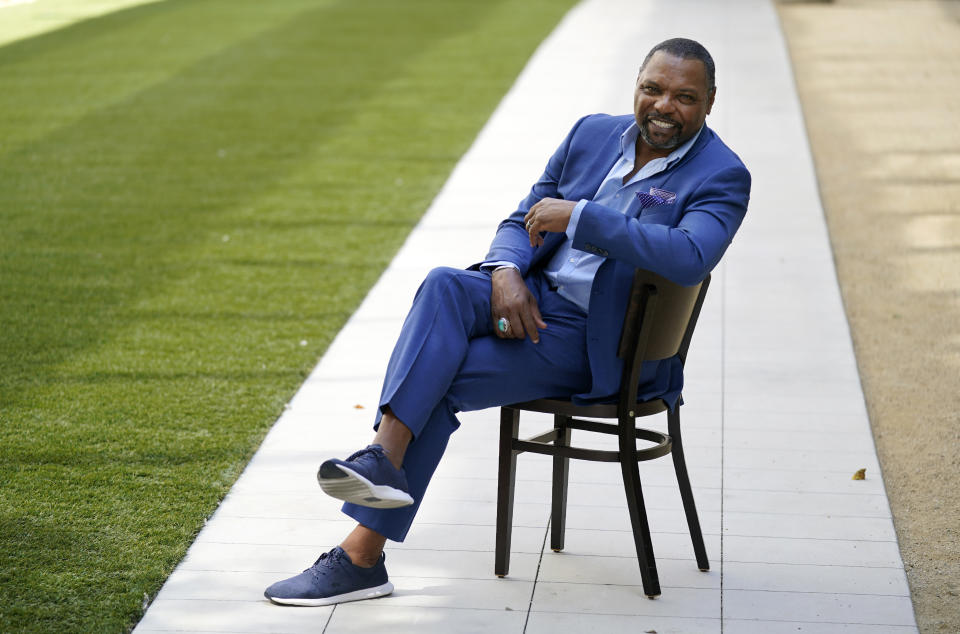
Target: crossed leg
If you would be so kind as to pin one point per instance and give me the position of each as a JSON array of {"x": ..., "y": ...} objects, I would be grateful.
[{"x": 448, "y": 360}]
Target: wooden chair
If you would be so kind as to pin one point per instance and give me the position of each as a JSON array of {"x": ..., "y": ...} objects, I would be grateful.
[{"x": 659, "y": 324}]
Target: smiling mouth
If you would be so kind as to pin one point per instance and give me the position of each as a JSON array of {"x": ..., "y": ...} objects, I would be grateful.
[
  {"x": 662, "y": 124},
  {"x": 660, "y": 133}
]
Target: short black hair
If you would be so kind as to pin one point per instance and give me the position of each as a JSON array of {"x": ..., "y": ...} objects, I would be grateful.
[{"x": 686, "y": 49}]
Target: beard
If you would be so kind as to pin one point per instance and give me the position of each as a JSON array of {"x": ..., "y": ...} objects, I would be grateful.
[{"x": 669, "y": 144}]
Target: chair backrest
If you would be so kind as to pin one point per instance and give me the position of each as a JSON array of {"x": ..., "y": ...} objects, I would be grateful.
[{"x": 661, "y": 316}]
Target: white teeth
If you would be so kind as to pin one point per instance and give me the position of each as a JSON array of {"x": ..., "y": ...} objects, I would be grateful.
[{"x": 661, "y": 124}]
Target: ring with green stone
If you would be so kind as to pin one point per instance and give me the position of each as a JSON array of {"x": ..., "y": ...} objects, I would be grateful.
[{"x": 503, "y": 325}]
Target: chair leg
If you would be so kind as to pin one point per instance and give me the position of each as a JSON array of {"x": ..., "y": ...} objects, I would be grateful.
[
  {"x": 561, "y": 472},
  {"x": 638, "y": 516},
  {"x": 686, "y": 492},
  {"x": 506, "y": 478}
]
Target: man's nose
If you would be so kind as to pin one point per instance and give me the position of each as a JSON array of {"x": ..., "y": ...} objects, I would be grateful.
[{"x": 664, "y": 104}]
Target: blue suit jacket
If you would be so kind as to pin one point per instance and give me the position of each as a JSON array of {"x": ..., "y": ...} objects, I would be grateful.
[{"x": 681, "y": 240}]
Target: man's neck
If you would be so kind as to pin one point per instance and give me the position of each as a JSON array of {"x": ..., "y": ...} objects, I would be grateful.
[{"x": 643, "y": 154}]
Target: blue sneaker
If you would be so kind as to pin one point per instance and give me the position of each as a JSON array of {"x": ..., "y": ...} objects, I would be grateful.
[
  {"x": 366, "y": 478},
  {"x": 333, "y": 578}
]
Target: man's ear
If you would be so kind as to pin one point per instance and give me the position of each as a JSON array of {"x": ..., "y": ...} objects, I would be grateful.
[{"x": 710, "y": 97}]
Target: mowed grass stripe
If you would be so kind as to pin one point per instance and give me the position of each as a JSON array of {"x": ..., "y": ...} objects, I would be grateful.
[{"x": 188, "y": 191}]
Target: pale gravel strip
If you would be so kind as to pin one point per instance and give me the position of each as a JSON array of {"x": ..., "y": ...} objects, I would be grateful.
[{"x": 892, "y": 198}]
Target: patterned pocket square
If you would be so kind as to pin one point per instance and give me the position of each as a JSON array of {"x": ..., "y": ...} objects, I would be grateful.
[
  {"x": 667, "y": 196},
  {"x": 652, "y": 200}
]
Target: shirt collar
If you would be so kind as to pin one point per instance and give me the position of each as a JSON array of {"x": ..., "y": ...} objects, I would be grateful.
[{"x": 628, "y": 145}]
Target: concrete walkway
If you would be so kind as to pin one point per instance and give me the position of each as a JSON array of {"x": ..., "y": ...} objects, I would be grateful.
[
  {"x": 775, "y": 420},
  {"x": 21, "y": 19}
]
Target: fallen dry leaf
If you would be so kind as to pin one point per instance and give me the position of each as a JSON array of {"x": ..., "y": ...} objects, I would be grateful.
[
  {"x": 358, "y": 406},
  {"x": 861, "y": 474}
]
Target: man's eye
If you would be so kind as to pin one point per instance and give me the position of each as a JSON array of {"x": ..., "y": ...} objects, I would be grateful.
[
  {"x": 686, "y": 99},
  {"x": 650, "y": 90}
]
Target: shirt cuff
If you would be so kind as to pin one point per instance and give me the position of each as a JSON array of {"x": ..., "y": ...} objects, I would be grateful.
[
  {"x": 575, "y": 218},
  {"x": 489, "y": 267}
]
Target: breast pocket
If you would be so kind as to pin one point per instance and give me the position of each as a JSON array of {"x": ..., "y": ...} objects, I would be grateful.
[{"x": 659, "y": 215}]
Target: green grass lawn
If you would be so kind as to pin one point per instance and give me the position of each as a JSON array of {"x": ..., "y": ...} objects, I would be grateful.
[{"x": 194, "y": 197}]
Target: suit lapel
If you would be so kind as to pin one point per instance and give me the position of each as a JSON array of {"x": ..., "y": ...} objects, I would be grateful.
[{"x": 591, "y": 175}]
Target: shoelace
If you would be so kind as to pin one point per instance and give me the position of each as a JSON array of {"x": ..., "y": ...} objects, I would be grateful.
[
  {"x": 317, "y": 570},
  {"x": 376, "y": 450}
]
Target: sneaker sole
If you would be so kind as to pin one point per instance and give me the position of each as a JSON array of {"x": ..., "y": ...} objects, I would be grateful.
[
  {"x": 356, "y": 595},
  {"x": 346, "y": 484}
]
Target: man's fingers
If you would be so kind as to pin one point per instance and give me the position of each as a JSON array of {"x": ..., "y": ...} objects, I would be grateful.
[
  {"x": 532, "y": 211},
  {"x": 496, "y": 328},
  {"x": 534, "y": 232},
  {"x": 530, "y": 327},
  {"x": 547, "y": 215},
  {"x": 516, "y": 326},
  {"x": 520, "y": 325},
  {"x": 532, "y": 320},
  {"x": 511, "y": 300},
  {"x": 538, "y": 319},
  {"x": 529, "y": 223}
]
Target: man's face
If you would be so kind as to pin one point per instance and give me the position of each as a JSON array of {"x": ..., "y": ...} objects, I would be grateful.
[{"x": 671, "y": 100}]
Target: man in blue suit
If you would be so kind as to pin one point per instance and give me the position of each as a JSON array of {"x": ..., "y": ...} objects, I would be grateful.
[{"x": 541, "y": 315}]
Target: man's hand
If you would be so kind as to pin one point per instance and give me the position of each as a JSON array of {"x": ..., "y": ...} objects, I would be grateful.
[
  {"x": 549, "y": 214},
  {"x": 511, "y": 299}
]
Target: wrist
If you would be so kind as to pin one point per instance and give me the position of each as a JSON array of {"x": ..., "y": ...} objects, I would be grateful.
[{"x": 503, "y": 270}]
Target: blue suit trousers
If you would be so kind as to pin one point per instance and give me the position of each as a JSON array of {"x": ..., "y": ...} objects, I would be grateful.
[{"x": 448, "y": 359}]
